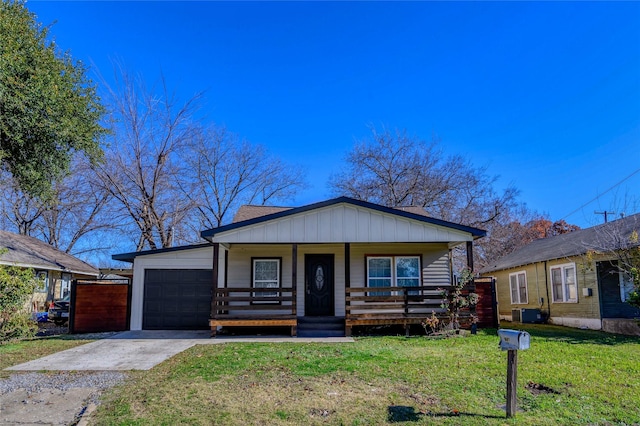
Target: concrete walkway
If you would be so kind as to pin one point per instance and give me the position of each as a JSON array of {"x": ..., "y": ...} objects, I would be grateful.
[{"x": 143, "y": 350}]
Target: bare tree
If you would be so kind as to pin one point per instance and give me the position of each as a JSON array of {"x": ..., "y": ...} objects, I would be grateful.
[
  {"x": 226, "y": 172},
  {"x": 395, "y": 169},
  {"x": 76, "y": 212},
  {"x": 68, "y": 218},
  {"x": 143, "y": 163},
  {"x": 20, "y": 212}
]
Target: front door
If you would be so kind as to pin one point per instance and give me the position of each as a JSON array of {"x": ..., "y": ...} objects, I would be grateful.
[
  {"x": 611, "y": 304},
  {"x": 319, "y": 285}
]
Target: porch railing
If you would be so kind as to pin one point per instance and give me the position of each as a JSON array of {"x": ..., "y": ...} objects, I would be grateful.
[
  {"x": 400, "y": 302},
  {"x": 243, "y": 302}
]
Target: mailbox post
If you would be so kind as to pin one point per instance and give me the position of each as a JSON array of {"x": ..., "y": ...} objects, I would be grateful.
[{"x": 512, "y": 341}]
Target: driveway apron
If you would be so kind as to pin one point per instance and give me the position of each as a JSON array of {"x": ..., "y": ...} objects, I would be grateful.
[
  {"x": 141, "y": 350},
  {"x": 125, "y": 351}
]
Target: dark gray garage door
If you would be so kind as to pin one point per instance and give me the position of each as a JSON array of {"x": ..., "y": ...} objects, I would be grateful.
[{"x": 177, "y": 299}]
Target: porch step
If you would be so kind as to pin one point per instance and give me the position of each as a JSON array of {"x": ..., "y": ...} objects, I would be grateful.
[{"x": 320, "y": 327}]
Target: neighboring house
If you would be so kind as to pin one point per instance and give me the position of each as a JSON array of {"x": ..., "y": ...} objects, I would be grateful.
[
  {"x": 55, "y": 268},
  {"x": 572, "y": 279},
  {"x": 309, "y": 268}
]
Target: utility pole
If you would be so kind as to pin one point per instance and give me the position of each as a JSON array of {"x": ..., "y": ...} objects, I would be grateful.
[{"x": 606, "y": 215}]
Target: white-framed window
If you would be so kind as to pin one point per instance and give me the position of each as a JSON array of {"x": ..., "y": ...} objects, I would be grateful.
[
  {"x": 42, "y": 279},
  {"x": 393, "y": 271},
  {"x": 65, "y": 284},
  {"x": 518, "y": 285},
  {"x": 626, "y": 286},
  {"x": 266, "y": 274},
  {"x": 564, "y": 284}
]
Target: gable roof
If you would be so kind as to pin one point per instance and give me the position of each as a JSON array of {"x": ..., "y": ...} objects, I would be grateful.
[
  {"x": 597, "y": 238},
  {"x": 255, "y": 229},
  {"x": 30, "y": 252}
]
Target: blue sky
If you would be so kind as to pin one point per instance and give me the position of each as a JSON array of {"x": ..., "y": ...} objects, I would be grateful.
[{"x": 546, "y": 95}]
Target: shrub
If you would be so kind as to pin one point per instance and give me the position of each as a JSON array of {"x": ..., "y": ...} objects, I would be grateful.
[{"x": 16, "y": 286}]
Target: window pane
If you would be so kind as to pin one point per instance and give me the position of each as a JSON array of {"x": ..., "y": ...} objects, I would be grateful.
[
  {"x": 42, "y": 280},
  {"x": 570, "y": 280},
  {"x": 410, "y": 282},
  {"x": 266, "y": 275},
  {"x": 513, "y": 283},
  {"x": 266, "y": 284},
  {"x": 266, "y": 270},
  {"x": 522, "y": 285},
  {"x": 380, "y": 282},
  {"x": 379, "y": 274},
  {"x": 556, "y": 283},
  {"x": 380, "y": 268},
  {"x": 626, "y": 287},
  {"x": 408, "y": 267}
]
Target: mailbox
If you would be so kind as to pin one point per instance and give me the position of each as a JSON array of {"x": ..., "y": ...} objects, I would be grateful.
[{"x": 513, "y": 340}]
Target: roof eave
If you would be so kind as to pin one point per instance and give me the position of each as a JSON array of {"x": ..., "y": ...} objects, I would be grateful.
[{"x": 130, "y": 257}]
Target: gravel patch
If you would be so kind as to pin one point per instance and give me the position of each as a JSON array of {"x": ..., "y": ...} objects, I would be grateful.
[
  {"x": 53, "y": 398},
  {"x": 36, "y": 382},
  {"x": 48, "y": 329},
  {"x": 51, "y": 329}
]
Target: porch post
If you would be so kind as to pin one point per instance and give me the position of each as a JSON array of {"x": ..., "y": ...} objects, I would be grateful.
[
  {"x": 214, "y": 284},
  {"x": 347, "y": 284},
  {"x": 347, "y": 265},
  {"x": 470, "y": 255},
  {"x": 294, "y": 285}
]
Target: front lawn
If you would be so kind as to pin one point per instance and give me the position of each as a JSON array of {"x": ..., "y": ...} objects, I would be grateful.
[{"x": 567, "y": 377}]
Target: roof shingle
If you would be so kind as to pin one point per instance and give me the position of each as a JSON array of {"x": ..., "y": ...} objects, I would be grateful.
[
  {"x": 598, "y": 238},
  {"x": 31, "y": 252}
]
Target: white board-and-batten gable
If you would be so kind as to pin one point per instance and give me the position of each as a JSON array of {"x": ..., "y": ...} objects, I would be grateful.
[{"x": 339, "y": 223}]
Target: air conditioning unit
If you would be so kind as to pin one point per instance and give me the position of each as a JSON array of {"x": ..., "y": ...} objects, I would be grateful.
[
  {"x": 531, "y": 316},
  {"x": 515, "y": 315}
]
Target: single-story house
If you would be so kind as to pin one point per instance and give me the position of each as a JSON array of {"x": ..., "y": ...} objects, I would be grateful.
[
  {"x": 570, "y": 279},
  {"x": 309, "y": 268},
  {"x": 56, "y": 269}
]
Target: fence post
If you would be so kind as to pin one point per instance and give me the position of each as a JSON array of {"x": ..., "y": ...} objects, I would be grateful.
[
  {"x": 72, "y": 306},
  {"x": 406, "y": 310}
]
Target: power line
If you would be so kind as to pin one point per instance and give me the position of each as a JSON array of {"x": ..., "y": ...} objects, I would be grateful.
[{"x": 600, "y": 195}]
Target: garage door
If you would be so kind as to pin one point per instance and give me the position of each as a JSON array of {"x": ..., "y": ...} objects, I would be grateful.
[{"x": 177, "y": 299}]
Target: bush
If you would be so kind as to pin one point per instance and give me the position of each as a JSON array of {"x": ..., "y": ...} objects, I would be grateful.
[
  {"x": 16, "y": 286},
  {"x": 17, "y": 327}
]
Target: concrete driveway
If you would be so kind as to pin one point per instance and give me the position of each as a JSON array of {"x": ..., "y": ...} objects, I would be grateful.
[{"x": 140, "y": 350}]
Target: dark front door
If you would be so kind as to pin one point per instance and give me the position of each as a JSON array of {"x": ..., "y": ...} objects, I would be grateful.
[
  {"x": 319, "y": 285},
  {"x": 611, "y": 303}
]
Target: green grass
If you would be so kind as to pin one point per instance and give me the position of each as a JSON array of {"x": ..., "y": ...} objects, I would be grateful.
[
  {"x": 27, "y": 350},
  {"x": 383, "y": 380}
]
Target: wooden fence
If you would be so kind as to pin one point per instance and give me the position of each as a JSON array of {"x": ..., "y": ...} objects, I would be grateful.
[{"x": 99, "y": 305}]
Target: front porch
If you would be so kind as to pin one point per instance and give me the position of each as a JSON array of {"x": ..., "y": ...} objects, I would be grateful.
[
  {"x": 342, "y": 258},
  {"x": 237, "y": 304}
]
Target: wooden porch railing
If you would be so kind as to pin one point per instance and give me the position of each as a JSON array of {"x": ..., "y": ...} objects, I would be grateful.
[
  {"x": 403, "y": 305},
  {"x": 231, "y": 307}
]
